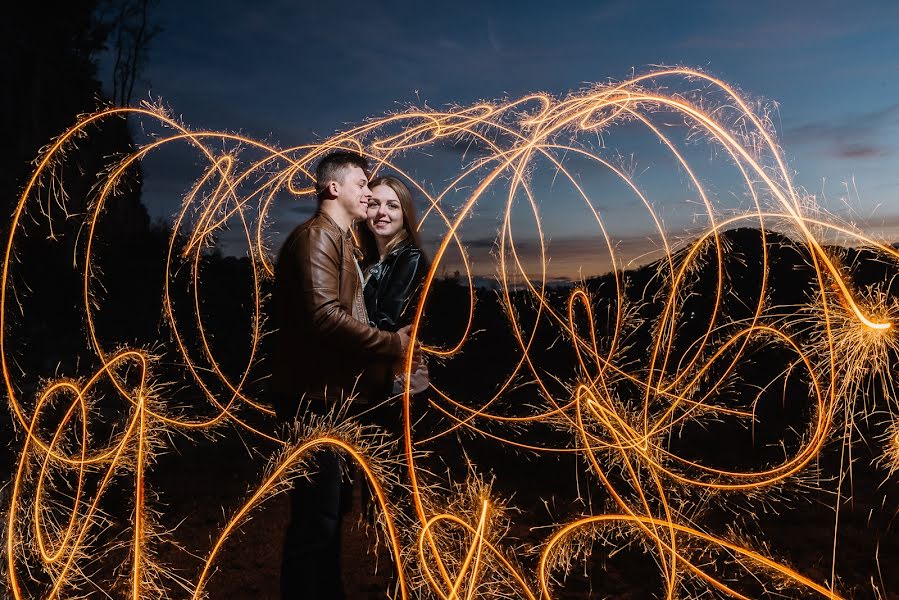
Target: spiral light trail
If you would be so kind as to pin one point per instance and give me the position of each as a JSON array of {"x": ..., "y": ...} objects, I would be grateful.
[{"x": 618, "y": 416}]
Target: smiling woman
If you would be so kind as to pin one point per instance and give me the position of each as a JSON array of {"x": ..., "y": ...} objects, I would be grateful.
[
  {"x": 385, "y": 215},
  {"x": 392, "y": 257}
]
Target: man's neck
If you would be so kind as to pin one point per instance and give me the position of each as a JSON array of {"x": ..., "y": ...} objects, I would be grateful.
[{"x": 339, "y": 216}]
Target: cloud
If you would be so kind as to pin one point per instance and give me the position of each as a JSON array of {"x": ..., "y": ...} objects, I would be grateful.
[
  {"x": 584, "y": 256},
  {"x": 885, "y": 227},
  {"x": 856, "y": 136},
  {"x": 568, "y": 257},
  {"x": 779, "y": 34},
  {"x": 862, "y": 151},
  {"x": 770, "y": 25}
]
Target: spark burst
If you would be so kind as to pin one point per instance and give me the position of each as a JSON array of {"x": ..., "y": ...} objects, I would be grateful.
[{"x": 619, "y": 414}]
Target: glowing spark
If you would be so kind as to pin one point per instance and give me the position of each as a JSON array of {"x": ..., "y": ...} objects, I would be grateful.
[{"x": 619, "y": 414}]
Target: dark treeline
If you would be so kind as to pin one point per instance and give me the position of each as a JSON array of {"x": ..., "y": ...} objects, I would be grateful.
[
  {"x": 50, "y": 57},
  {"x": 52, "y": 78}
]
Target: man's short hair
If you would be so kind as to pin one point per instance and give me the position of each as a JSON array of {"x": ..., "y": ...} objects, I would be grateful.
[{"x": 332, "y": 167}]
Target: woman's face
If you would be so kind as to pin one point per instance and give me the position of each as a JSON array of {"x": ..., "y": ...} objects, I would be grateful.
[{"x": 385, "y": 215}]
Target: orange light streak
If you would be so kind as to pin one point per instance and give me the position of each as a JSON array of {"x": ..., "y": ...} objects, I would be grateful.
[{"x": 619, "y": 412}]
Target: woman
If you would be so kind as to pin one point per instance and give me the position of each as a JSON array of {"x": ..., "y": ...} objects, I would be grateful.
[{"x": 392, "y": 261}]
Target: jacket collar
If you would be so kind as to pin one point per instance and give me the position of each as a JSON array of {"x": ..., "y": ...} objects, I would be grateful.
[
  {"x": 405, "y": 244},
  {"x": 320, "y": 214}
]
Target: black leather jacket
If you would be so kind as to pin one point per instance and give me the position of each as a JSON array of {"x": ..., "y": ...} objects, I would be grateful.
[{"x": 393, "y": 285}]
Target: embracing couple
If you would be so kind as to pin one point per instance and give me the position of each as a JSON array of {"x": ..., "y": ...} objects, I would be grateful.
[{"x": 341, "y": 316}]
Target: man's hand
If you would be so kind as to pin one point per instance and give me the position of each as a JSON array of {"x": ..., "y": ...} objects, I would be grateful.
[
  {"x": 420, "y": 378},
  {"x": 404, "y": 338},
  {"x": 416, "y": 352}
]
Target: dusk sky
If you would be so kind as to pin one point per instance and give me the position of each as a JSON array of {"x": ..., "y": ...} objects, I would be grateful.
[{"x": 291, "y": 72}]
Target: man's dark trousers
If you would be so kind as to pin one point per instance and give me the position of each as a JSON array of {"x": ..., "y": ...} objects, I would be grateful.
[{"x": 311, "y": 567}]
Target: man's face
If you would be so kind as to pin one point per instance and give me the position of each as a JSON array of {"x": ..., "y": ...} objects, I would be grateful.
[{"x": 352, "y": 194}]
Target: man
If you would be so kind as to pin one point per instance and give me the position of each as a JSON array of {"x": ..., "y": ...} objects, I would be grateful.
[{"x": 323, "y": 345}]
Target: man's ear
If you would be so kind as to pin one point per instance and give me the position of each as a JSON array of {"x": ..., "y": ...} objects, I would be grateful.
[{"x": 333, "y": 188}]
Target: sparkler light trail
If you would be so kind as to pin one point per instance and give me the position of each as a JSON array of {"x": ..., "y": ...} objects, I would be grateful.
[{"x": 643, "y": 368}]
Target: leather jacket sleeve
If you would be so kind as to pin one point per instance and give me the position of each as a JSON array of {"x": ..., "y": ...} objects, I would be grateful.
[
  {"x": 398, "y": 290},
  {"x": 319, "y": 277}
]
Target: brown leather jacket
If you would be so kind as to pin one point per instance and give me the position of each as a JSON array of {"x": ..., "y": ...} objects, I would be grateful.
[{"x": 321, "y": 349}]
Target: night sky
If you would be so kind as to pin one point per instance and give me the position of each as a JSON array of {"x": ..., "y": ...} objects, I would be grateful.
[{"x": 292, "y": 72}]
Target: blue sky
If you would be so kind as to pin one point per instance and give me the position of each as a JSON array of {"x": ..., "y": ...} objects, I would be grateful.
[{"x": 291, "y": 72}]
